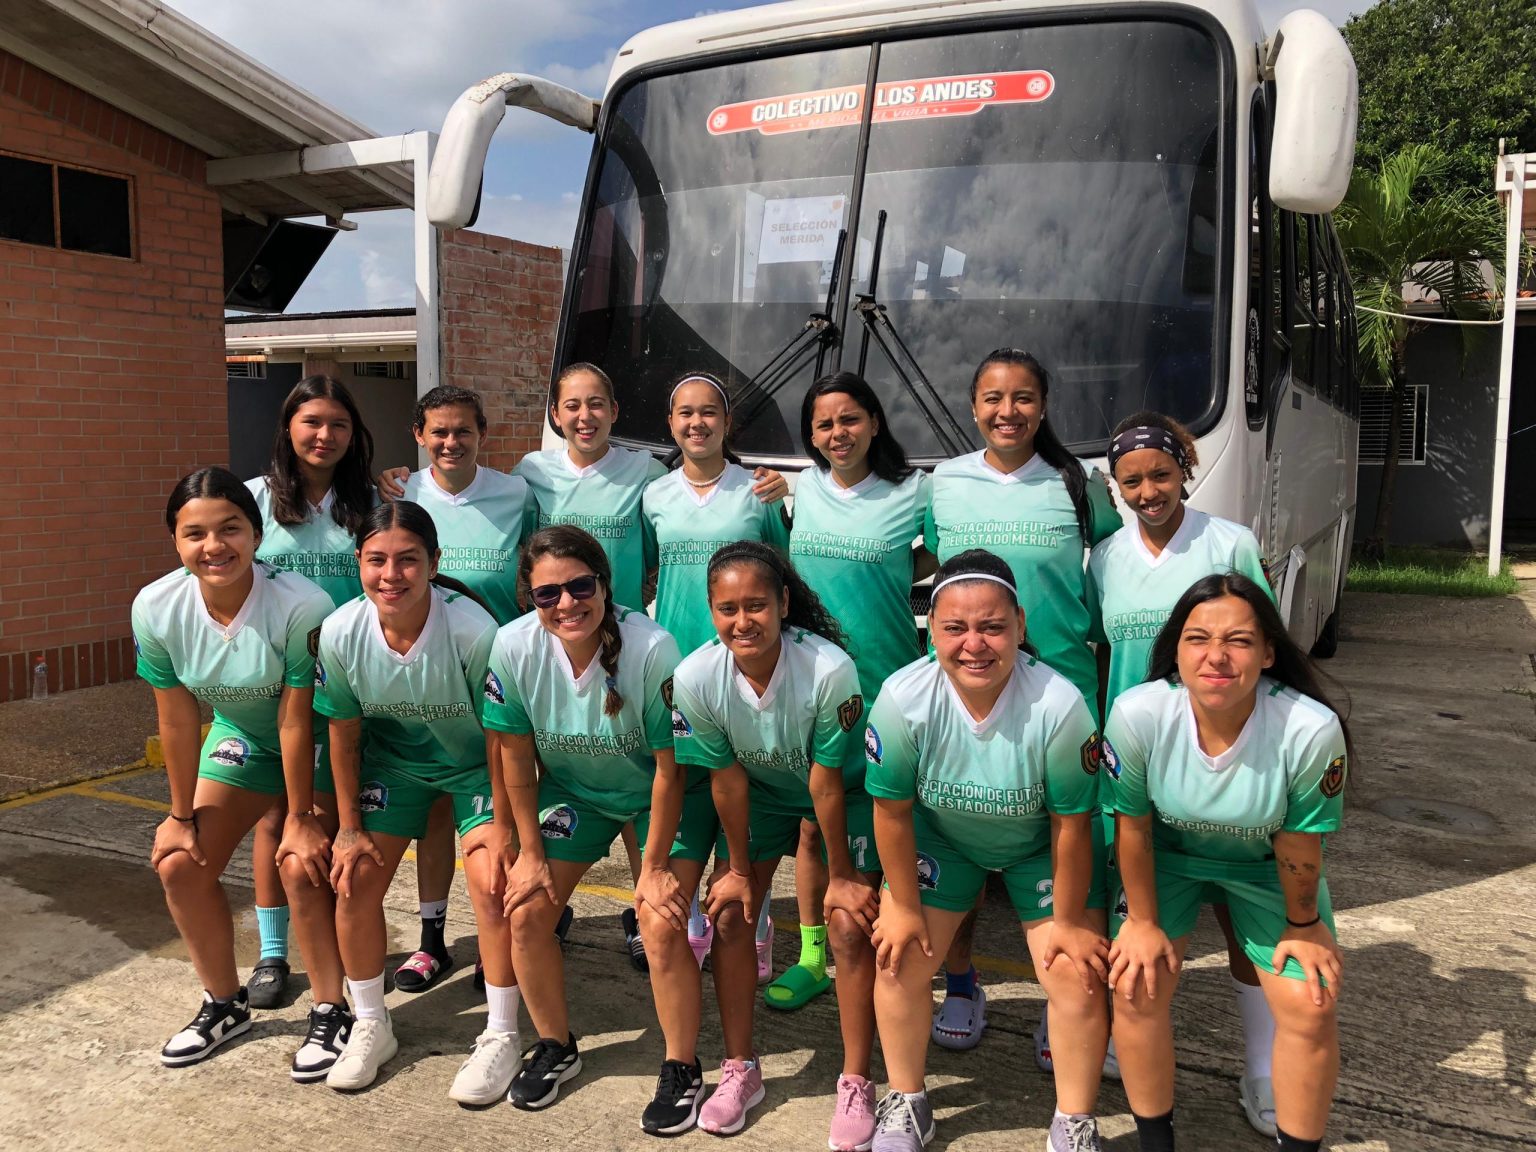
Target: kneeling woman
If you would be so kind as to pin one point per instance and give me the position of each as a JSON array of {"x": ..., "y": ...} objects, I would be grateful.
[
  {"x": 401, "y": 675},
  {"x": 983, "y": 760},
  {"x": 1232, "y": 746},
  {"x": 584, "y": 688},
  {"x": 231, "y": 630}
]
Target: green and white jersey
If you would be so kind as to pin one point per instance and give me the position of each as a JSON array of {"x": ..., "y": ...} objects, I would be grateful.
[
  {"x": 479, "y": 531},
  {"x": 603, "y": 500},
  {"x": 689, "y": 528},
  {"x": 420, "y": 710},
  {"x": 854, "y": 547},
  {"x": 319, "y": 548},
  {"x": 1131, "y": 592},
  {"x": 986, "y": 788},
  {"x": 605, "y": 761},
  {"x": 240, "y": 669},
  {"x": 1213, "y": 815},
  {"x": 811, "y": 712},
  {"x": 1025, "y": 517}
]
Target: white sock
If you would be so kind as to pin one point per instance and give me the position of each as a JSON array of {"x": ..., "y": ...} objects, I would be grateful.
[
  {"x": 1258, "y": 1031},
  {"x": 434, "y": 909},
  {"x": 764, "y": 923},
  {"x": 502, "y": 1003},
  {"x": 696, "y": 926},
  {"x": 368, "y": 998}
]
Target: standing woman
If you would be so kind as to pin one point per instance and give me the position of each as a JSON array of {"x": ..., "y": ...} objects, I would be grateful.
[
  {"x": 229, "y": 629},
  {"x": 1134, "y": 579},
  {"x": 315, "y": 492},
  {"x": 983, "y": 760},
  {"x": 1234, "y": 749},
  {"x": 773, "y": 710},
  {"x": 401, "y": 675}
]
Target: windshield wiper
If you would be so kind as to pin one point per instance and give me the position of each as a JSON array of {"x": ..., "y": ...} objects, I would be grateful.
[{"x": 877, "y": 323}]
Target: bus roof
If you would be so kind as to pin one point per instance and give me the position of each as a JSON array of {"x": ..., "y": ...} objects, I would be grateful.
[{"x": 796, "y": 21}]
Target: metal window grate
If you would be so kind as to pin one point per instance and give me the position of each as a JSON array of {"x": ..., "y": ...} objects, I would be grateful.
[
  {"x": 381, "y": 369},
  {"x": 246, "y": 369},
  {"x": 1375, "y": 418}
]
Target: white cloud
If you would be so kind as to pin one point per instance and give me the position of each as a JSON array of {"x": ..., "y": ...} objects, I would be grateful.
[{"x": 589, "y": 81}]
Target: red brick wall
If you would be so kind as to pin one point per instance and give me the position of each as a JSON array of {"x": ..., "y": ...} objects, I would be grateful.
[
  {"x": 500, "y": 303},
  {"x": 111, "y": 387}
]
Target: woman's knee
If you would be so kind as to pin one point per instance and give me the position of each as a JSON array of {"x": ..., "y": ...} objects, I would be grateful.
[
  {"x": 1297, "y": 1015},
  {"x": 845, "y": 936},
  {"x": 534, "y": 917},
  {"x": 732, "y": 924},
  {"x": 180, "y": 874}
]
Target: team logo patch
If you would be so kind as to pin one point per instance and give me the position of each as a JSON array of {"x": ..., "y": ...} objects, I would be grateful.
[
  {"x": 666, "y": 691},
  {"x": 1092, "y": 753},
  {"x": 849, "y": 711},
  {"x": 1332, "y": 782},
  {"x": 319, "y": 674},
  {"x": 873, "y": 749},
  {"x": 493, "y": 691},
  {"x": 314, "y": 641},
  {"x": 558, "y": 823},
  {"x": 1110, "y": 759},
  {"x": 372, "y": 797},
  {"x": 927, "y": 871},
  {"x": 231, "y": 751},
  {"x": 1122, "y": 907},
  {"x": 680, "y": 726}
]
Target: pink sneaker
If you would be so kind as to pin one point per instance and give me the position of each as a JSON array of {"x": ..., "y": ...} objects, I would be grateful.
[
  {"x": 701, "y": 944},
  {"x": 740, "y": 1090},
  {"x": 853, "y": 1120},
  {"x": 765, "y": 955}
]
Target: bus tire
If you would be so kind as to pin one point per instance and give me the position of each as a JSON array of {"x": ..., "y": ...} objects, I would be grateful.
[{"x": 1327, "y": 644}]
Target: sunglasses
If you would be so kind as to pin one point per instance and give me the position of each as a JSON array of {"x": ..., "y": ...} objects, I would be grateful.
[{"x": 548, "y": 595}]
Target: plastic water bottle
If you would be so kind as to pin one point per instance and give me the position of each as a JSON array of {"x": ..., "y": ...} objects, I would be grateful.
[{"x": 40, "y": 680}]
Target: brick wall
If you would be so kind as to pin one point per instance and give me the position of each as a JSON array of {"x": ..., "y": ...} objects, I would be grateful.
[
  {"x": 111, "y": 387},
  {"x": 500, "y": 305}
]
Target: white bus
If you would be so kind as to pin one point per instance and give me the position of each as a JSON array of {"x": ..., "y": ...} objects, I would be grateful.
[{"x": 1137, "y": 193}]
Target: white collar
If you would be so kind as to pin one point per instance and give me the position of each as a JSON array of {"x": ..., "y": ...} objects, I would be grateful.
[
  {"x": 561, "y": 657},
  {"x": 748, "y": 693},
  {"x": 829, "y": 482},
  {"x": 1223, "y": 761},
  {"x": 434, "y": 610},
  {"x": 229, "y": 631},
  {"x": 598, "y": 465},
  {"x": 1022, "y": 472},
  {"x": 702, "y": 499},
  {"x": 999, "y": 708},
  {"x": 465, "y": 496},
  {"x": 1176, "y": 543},
  {"x": 326, "y": 501}
]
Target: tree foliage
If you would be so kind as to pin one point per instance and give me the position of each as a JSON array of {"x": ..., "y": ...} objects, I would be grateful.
[{"x": 1460, "y": 73}]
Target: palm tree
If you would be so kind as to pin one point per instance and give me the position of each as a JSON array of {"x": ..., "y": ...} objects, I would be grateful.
[{"x": 1398, "y": 227}]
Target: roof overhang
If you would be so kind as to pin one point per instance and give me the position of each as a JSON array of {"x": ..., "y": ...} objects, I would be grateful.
[{"x": 151, "y": 62}]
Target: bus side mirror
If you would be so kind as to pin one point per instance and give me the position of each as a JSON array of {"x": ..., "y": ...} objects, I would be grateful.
[
  {"x": 1317, "y": 101},
  {"x": 458, "y": 164}
]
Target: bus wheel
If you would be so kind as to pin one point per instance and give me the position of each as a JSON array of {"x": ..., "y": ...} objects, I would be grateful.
[{"x": 1328, "y": 639}]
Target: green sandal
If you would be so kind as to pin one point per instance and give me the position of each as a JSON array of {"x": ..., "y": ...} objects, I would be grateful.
[{"x": 796, "y": 988}]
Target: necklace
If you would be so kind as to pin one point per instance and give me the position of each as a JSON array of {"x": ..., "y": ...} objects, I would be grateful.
[{"x": 705, "y": 483}]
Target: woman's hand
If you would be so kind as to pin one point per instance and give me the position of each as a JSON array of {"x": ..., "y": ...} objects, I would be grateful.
[
  {"x": 303, "y": 837},
  {"x": 895, "y": 930},
  {"x": 768, "y": 485},
  {"x": 659, "y": 888},
  {"x": 351, "y": 845},
  {"x": 860, "y": 901},
  {"x": 527, "y": 877},
  {"x": 1137, "y": 951},
  {"x": 727, "y": 886},
  {"x": 1086, "y": 949},
  {"x": 173, "y": 836},
  {"x": 1315, "y": 949},
  {"x": 391, "y": 483}
]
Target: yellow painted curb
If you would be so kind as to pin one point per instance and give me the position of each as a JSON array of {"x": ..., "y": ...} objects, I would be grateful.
[{"x": 154, "y": 755}]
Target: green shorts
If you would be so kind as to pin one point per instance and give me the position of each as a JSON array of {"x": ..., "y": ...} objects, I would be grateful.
[
  {"x": 231, "y": 757},
  {"x": 573, "y": 830},
  {"x": 1255, "y": 901},
  {"x": 398, "y": 803},
  {"x": 947, "y": 878},
  {"x": 773, "y": 833},
  {"x": 859, "y": 812}
]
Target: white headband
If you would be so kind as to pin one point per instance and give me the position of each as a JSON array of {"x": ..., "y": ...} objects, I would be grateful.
[
  {"x": 726, "y": 400},
  {"x": 948, "y": 580}
]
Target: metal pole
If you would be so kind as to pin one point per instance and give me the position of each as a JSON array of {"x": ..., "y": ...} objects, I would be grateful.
[
  {"x": 1516, "y": 205},
  {"x": 425, "y": 249}
]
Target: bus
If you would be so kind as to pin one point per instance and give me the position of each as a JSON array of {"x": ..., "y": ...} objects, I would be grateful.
[{"x": 1138, "y": 193}]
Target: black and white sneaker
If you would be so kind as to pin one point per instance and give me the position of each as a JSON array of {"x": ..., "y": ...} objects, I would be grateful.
[
  {"x": 675, "y": 1107},
  {"x": 329, "y": 1027},
  {"x": 214, "y": 1024},
  {"x": 546, "y": 1066}
]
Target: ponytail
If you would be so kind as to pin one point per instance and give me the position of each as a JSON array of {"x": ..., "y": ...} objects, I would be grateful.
[
  {"x": 568, "y": 542},
  {"x": 805, "y": 607}
]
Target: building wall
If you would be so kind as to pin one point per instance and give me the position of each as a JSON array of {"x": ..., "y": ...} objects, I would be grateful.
[
  {"x": 500, "y": 306},
  {"x": 111, "y": 387}
]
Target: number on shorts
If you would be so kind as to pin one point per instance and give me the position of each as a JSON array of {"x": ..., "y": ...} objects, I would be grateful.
[
  {"x": 857, "y": 847},
  {"x": 482, "y": 804},
  {"x": 1047, "y": 890},
  {"x": 319, "y": 751}
]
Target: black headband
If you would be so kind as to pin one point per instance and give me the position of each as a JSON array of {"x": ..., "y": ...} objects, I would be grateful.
[{"x": 1144, "y": 436}]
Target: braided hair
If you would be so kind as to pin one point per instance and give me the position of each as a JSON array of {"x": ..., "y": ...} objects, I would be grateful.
[
  {"x": 805, "y": 607},
  {"x": 568, "y": 542}
]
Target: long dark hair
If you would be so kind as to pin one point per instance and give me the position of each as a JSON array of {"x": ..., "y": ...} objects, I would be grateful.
[
  {"x": 989, "y": 565},
  {"x": 725, "y": 400},
  {"x": 1047, "y": 446},
  {"x": 212, "y": 484},
  {"x": 353, "y": 480},
  {"x": 887, "y": 458},
  {"x": 1292, "y": 666},
  {"x": 568, "y": 542},
  {"x": 416, "y": 520},
  {"x": 805, "y": 607}
]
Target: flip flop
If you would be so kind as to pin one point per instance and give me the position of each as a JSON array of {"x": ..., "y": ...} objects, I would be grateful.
[
  {"x": 701, "y": 944},
  {"x": 420, "y": 971},
  {"x": 796, "y": 988},
  {"x": 960, "y": 1021}
]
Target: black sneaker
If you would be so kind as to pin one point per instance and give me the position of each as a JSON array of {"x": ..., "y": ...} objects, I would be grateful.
[
  {"x": 675, "y": 1107},
  {"x": 632, "y": 940},
  {"x": 546, "y": 1066},
  {"x": 329, "y": 1027},
  {"x": 268, "y": 982},
  {"x": 214, "y": 1024},
  {"x": 563, "y": 926}
]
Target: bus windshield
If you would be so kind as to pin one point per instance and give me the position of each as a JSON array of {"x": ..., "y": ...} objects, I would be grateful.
[{"x": 1053, "y": 188}]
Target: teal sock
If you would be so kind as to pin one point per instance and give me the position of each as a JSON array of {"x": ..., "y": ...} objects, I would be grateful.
[{"x": 273, "y": 925}]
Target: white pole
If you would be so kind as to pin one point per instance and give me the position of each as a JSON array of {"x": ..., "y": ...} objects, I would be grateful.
[
  {"x": 424, "y": 243},
  {"x": 1516, "y": 205}
]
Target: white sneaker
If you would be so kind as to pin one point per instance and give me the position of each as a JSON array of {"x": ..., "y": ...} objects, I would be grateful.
[
  {"x": 485, "y": 1077},
  {"x": 1258, "y": 1096},
  {"x": 371, "y": 1044}
]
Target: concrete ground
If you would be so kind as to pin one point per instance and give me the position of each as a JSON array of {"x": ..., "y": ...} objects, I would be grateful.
[{"x": 1433, "y": 881}]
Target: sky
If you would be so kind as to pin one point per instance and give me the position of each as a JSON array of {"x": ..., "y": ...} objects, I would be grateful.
[{"x": 396, "y": 66}]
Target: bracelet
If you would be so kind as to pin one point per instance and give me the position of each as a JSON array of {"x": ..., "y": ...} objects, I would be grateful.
[
  {"x": 192, "y": 819},
  {"x": 1302, "y": 923}
]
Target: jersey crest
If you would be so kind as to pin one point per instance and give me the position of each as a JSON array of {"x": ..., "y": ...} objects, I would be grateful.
[
  {"x": 1109, "y": 758},
  {"x": 849, "y": 711},
  {"x": 680, "y": 726},
  {"x": 559, "y": 823},
  {"x": 231, "y": 752},
  {"x": 666, "y": 691},
  {"x": 493, "y": 689},
  {"x": 372, "y": 797},
  {"x": 1092, "y": 752},
  {"x": 1332, "y": 782},
  {"x": 873, "y": 749},
  {"x": 319, "y": 674},
  {"x": 927, "y": 872},
  {"x": 314, "y": 641}
]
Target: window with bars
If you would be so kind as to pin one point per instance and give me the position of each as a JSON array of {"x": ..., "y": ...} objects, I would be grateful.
[
  {"x": 246, "y": 369},
  {"x": 1375, "y": 422},
  {"x": 382, "y": 369}
]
